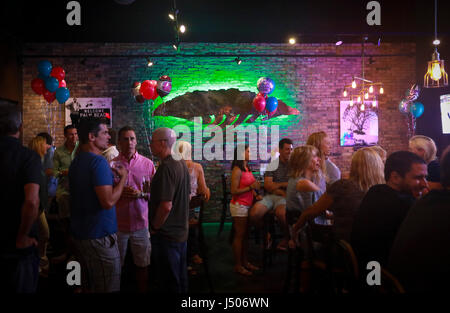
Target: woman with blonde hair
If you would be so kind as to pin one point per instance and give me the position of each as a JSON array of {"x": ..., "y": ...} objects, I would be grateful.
[
  {"x": 425, "y": 147},
  {"x": 38, "y": 144},
  {"x": 306, "y": 183},
  {"x": 381, "y": 152},
  {"x": 344, "y": 196},
  {"x": 304, "y": 188},
  {"x": 321, "y": 141}
]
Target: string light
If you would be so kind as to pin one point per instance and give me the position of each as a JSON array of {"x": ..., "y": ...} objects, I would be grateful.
[
  {"x": 364, "y": 91},
  {"x": 292, "y": 41}
]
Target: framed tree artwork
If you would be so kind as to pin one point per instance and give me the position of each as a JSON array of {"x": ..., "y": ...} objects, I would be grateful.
[{"x": 358, "y": 127}]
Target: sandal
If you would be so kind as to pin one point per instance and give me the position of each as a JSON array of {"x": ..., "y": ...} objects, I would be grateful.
[
  {"x": 243, "y": 271},
  {"x": 252, "y": 267}
]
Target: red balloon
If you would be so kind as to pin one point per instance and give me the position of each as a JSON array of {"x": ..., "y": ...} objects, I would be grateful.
[
  {"x": 136, "y": 84},
  {"x": 259, "y": 103},
  {"x": 262, "y": 95},
  {"x": 49, "y": 96},
  {"x": 145, "y": 84},
  {"x": 153, "y": 83},
  {"x": 58, "y": 72},
  {"x": 38, "y": 86},
  {"x": 62, "y": 83},
  {"x": 148, "y": 92}
]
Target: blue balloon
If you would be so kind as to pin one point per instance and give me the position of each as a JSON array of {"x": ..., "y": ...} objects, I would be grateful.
[
  {"x": 51, "y": 84},
  {"x": 45, "y": 68},
  {"x": 417, "y": 109},
  {"x": 62, "y": 94},
  {"x": 271, "y": 104}
]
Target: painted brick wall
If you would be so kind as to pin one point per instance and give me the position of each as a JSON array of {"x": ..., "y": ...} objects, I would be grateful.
[{"x": 309, "y": 77}]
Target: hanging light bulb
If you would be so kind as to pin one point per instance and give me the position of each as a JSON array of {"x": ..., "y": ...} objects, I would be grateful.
[
  {"x": 366, "y": 96},
  {"x": 351, "y": 102},
  {"x": 354, "y": 84},
  {"x": 362, "y": 107},
  {"x": 381, "y": 90},
  {"x": 182, "y": 29},
  {"x": 436, "y": 75},
  {"x": 436, "y": 71},
  {"x": 359, "y": 99},
  {"x": 345, "y": 93},
  {"x": 374, "y": 103},
  {"x": 371, "y": 89},
  {"x": 292, "y": 41},
  {"x": 171, "y": 16}
]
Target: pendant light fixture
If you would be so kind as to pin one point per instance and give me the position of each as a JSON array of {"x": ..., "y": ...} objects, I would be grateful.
[{"x": 436, "y": 75}]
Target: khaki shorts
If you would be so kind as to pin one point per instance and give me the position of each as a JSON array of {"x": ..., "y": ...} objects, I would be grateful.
[
  {"x": 238, "y": 210},
  {"x": 140, "y": 246}
]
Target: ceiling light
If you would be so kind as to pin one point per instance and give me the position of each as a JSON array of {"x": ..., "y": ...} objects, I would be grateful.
[
  {"x": 182, "y": 29},
  {"x": 292, "y": 41},
  {"x": 436, "y": 76},
  {"x": 364, "y": 91},
  {"x": 338, "y": 43},
  {"x": 238, "y": 60}
]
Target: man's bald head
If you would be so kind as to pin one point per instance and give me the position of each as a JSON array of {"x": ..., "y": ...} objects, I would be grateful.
[{"x": 165, "y": 133}]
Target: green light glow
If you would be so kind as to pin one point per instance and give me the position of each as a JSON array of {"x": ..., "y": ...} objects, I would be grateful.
[{"x": 208, "y": 74}]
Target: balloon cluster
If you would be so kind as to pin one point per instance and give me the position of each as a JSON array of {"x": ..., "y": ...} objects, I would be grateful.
[
  {"x": 151, "y": 89},
  {"x": 50, "y": 83},
  {"x": 409, "y": 104},
  {"x": 262, "y": 102}
]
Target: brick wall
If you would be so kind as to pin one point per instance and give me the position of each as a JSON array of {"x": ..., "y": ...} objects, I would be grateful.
[{"x": 309, "y": 77}]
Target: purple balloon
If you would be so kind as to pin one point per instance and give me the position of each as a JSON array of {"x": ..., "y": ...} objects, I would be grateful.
[
  {"x": 403, "y": 107},
  {"x": 164, "y": 86},
  {"x": 265, "y": 85}
]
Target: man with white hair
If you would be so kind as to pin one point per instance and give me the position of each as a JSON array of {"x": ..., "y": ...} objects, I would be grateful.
[{"x": 169, "y": 214}]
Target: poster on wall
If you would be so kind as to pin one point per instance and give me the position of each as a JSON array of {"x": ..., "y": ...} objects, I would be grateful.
[
  {"x": 78, "y": 108},
  {"x": 445, "y": 113},
  {"x": 358, "y": 128}
]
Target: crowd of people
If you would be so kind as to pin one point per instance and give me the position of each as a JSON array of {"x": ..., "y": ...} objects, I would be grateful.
[{"x": 110, "y": 199}]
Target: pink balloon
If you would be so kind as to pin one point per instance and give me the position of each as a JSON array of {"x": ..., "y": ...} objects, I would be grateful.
[
  {"x": 62, "y": 83},
  {"x": 259, "y": 103}
]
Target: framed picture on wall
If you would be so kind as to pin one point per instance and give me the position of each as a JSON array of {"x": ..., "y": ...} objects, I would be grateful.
[
  {"x": 445, "y": 113},
  {"x": 358, "y": 127},
  {"x": 78, "y": 108}
]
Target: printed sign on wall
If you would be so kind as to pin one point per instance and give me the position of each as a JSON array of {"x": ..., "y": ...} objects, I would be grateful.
[
  {"x": 79, "y": 108},
  {"x": 445, "y": 113}
]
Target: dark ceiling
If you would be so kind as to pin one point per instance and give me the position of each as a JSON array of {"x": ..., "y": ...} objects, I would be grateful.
[{"x": 221, "y": 21}]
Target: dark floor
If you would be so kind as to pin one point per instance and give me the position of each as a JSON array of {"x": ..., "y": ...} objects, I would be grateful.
[{"x": 220, "y": 263}]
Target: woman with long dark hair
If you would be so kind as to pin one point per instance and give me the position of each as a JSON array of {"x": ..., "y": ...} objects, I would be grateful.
[{"x": 243, "y": 186}]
